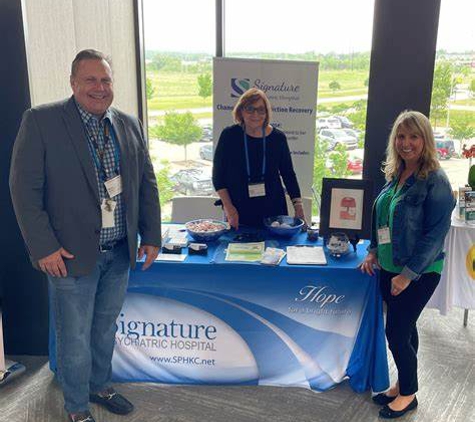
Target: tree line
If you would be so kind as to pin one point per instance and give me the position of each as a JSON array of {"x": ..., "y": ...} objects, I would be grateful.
[{"x": 200, "y": 62}]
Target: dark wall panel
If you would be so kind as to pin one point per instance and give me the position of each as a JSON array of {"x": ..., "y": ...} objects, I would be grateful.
[
  {"x": 401, "y": 73},
  {"x": 23, "y": 290}
]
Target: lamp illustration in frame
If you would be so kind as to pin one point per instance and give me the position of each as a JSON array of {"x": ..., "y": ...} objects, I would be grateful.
[{"x": 348, "y": 208}]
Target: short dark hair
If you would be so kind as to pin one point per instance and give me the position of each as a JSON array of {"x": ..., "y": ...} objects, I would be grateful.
[{"x": 88, "y": 54}]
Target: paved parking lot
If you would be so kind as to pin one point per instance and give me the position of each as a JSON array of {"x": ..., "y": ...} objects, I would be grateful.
[
  {"x": 456, "y": 168},
  {"x": 457, "y": 171}
]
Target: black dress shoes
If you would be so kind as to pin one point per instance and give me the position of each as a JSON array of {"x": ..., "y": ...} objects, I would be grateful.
[
  {"x": 81, "y": 417},
  {"x": 382, "y": 399},
  {"x": 387, "y": 413},
  {"x": 113, "y": 402}
]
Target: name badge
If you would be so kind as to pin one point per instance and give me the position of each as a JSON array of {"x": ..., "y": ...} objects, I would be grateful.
[
  {"x": 114, "y": 186},
  {"x": 384, "y": 236},
  {"x": 107, "y": 211},
  {"x": 257, "y": 189}
]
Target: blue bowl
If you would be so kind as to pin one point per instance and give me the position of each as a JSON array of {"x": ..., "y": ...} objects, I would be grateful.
[
  {"x": 206, "y": 236},
  {"x": 292, "y": 225}
]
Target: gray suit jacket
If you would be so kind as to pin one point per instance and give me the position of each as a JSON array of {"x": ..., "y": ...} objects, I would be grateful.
[{"x": 54, "y": 188}]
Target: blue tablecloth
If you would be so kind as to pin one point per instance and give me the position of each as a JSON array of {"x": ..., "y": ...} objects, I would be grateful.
[{"x": 205, "y": 321}]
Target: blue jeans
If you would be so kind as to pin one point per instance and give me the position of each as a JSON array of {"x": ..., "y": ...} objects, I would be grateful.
[{"x": 85, "y": 310}]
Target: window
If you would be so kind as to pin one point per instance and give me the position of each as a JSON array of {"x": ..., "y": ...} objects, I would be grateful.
[
  {"x": 338, "y": 35},
  {"x": 453, "y": 94},
  {"x": 179, "y": 46}
]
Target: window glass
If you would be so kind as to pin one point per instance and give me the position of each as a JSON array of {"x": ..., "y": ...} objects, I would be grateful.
[
  {"x": 337, "y": 34},
  {"x": 452, "y": 111},
  {"x": 179, "y": 46},
  {"x": 180, "y": 43}
]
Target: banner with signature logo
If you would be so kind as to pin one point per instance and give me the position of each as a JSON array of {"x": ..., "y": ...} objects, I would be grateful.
[
  {"x": 291, "y": 87},
  {"x": 252, "y": 325}
]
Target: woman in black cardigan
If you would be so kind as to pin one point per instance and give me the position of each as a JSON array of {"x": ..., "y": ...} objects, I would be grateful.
[{"x": 249, "y": 161}]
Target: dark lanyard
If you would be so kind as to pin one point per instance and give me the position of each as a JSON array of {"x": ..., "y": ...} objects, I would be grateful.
[
  {"x": 98, "y": 154},
  {"x": 248, "y": 166}
]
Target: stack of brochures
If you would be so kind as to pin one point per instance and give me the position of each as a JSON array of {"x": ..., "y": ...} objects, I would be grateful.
[
  {"x": 272, "y": 256},
  {"x": 461, "y": 201},
  {"x": 306, "y": 255},
  {"x": 470, "y": 207},
  {"x": 246, "y": 252},
  {"x": 171, "y": 257}
]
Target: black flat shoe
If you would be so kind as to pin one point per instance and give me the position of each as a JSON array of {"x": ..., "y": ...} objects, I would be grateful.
[
  {"x": 113, "y": 402},
  {"x": 382, "y": 399},
  {"x": 387, "y": 413}
]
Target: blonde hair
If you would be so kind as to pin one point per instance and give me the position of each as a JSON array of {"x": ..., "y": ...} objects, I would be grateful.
[
  {"x": 418, "y": 124},
  {"x": 248, "y": 98}
]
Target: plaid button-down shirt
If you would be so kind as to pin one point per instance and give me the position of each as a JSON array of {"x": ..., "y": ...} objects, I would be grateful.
[{"x": 94, "y": 129}]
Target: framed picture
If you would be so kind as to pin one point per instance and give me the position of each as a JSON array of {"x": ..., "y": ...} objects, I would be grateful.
[{"x": 346, "y": 206}]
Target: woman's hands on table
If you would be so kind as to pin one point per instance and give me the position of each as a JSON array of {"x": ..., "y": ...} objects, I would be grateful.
[
  {"x": 232, "y": 216},
  {"x": 298, "y": 212},
  {"x": 369, "y": 264}
]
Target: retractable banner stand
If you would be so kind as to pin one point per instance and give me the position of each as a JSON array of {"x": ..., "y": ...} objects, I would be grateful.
[{"x": 291, "y": 87}]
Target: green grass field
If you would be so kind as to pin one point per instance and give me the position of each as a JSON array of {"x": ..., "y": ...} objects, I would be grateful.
[
  {"x": 178, "y": 102},
  {"x": 178, "y": 91},
  {"x": 466, "y": 102},
  {"x": 456, "y": 113},
  {"x": 175, "y": 91}
]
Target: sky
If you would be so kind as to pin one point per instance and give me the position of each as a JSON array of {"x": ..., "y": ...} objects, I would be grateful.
[{"x": 323, "y": 26}]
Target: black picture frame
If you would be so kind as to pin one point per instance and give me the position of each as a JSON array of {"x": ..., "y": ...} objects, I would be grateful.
[{"x": 346, "y": 206}]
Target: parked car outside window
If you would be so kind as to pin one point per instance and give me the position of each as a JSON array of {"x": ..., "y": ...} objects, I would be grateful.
[
  {"x": 328, "y": 123},
  {"x": 354, "y": 163},
  {"x": 344, "y": 121},
  {"x": 207, "y": 133},
  {"x": 445, "y": 146},
  {"x": 442, "y": 153},
  {"x": 196, "y": 181},
  {"x": 351, "y": 132},
  {"x": 336, "y": 137},
  {"x": 206, "y": 152}
]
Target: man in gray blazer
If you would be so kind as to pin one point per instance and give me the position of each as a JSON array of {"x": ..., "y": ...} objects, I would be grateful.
[{"x": 83, "y": 187}]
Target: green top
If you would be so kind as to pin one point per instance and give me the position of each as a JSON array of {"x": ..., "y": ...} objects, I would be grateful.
[{"x": 385, "y": 206}]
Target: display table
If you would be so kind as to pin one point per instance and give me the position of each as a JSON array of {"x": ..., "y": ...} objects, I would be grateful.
[
  {"x": 208, "y": 321},
  {"x": 457, "y": 282}
]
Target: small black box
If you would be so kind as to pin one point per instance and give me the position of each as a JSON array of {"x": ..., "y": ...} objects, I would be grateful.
[
  {"x": 169, "y": 248},
  {"x": 197, "y": 249}
]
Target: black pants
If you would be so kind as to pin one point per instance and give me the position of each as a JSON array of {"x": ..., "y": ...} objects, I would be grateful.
[{"x": 401, "y": 331}]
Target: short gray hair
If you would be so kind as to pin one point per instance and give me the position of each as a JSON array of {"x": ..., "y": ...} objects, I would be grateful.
[{"x": 88, "y": 54}]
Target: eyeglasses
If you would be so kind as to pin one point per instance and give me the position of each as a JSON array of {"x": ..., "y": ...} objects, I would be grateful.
[{"x": 251, "y": 109}]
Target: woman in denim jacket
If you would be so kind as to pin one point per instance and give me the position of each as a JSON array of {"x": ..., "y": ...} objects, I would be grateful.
[{"x": 411, "y": 217}]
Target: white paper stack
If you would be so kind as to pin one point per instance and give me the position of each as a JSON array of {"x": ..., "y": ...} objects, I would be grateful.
[
  {"x": 171, "y": 257},
  {"x": 306, "y": 255}
]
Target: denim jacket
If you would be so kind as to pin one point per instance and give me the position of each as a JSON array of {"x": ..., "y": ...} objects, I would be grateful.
[{"x": 421, "y": 221}]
